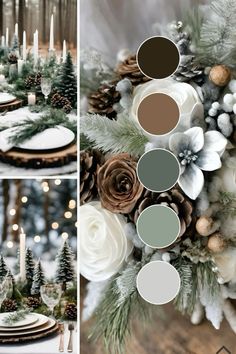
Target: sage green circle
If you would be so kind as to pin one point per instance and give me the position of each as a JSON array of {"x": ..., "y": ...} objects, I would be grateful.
[
  {"x": 158, "y": 282},
  {"x": 158, "y": 226},
  {"x": 158, "y": 170}
]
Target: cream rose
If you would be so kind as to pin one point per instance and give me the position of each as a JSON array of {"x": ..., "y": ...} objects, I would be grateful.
[
  {"x": 184, "y": 94},
  {"x": 104, "y": 247}
]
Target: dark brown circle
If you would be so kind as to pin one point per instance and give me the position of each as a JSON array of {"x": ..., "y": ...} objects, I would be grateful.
[
  {"x": 158, "y": 114},
  {"x": 158, "y": 57}
]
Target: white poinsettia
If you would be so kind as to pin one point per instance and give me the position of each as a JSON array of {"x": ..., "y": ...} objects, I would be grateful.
[
  {"x": 104, "y": 246},
  {"x": 196, "y": 151}
]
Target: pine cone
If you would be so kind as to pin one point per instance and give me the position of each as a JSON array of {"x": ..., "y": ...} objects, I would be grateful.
[
  {"x": 9, "y": 305},
  {"x": 12, "y": 58},
  {"x": 58, "y": 101},
  {"x": 71, "y": 311},
  {"x": 173, "y": 198},
  {"x": 33, "y": 80},
  {"x": 90, "y": 161},
  {"x": 38, "y": 78},
  {"x": 33, "y": 302},
  {"x": 67, "y": 108},
  {"x": 102, "y": 101},
  {"x": 128, "y": 69}
]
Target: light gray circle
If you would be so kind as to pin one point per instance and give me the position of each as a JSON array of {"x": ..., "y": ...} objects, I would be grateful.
[
  {"x": 158, "y": 282},
  {"x": 158, "y": 226}
]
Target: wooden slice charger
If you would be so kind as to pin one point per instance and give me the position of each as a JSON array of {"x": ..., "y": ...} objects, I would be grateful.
[{"x": 11, "y": 106}]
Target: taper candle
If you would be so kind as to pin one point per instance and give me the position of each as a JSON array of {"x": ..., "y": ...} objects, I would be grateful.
[
  {"x": 51, "y": 41},
  {"x": 22, "y": 255}
]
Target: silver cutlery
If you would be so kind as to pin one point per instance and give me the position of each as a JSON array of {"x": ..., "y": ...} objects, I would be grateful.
[
  {"x": 71, "y": 327},
  {"x": 61, "y": 330}
]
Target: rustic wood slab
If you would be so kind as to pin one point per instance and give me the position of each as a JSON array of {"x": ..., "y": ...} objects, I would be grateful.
[
  {"x": 11, "y": 106},
  {"x": 41, "y": 159}
]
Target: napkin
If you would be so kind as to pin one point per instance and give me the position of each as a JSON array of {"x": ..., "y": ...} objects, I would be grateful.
[{"x": 5, "y": 145}]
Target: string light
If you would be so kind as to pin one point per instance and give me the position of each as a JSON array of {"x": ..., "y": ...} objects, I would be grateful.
[
  {"x": 46, "y": 189},
  {"x": 68, "y": 214},
  {"x": 12, "y": 212},
  {"x": 76, "y": 224},
  {"x": 24, "y": 199},
  {"x": 57, "y": 182},
  {"x": 37, "y": 238},
  {"x": 65, "y": 236},
  {"x": 55, "y": 225},
  {"x": 10, "y": 244},
  {"x": 72, "y": 204},
  {"x": 15, "y": 227}
]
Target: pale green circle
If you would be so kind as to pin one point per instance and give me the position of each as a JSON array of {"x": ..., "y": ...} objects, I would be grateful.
[
  {"x": 158, "y": 170},
  {"x": 158, "y": 226},
  {"x": 158, "y": 282}
]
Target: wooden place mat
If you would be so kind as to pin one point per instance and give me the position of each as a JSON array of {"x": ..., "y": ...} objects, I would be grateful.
[
  {"x": 11, "y": 106},
  {"x": 33, "y": 159},
  {"x": 29, "y": 337}
]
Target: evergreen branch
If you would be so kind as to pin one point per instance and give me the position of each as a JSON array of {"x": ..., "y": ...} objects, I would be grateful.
[
  {"x": 228, "y": 201},
  {"x": 119, "y": 136},
  {"x": 84, "y": 142},
  {"x": 16, "y": 316},
  {"x": 193, "y": 23}
]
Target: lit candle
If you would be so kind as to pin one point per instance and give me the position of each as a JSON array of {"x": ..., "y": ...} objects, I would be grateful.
[
  {"x": 36, "y": 47},
  {"x": 24, "y": 54},
  {"x": 22, "y": 255},
  {"x": 31, "y": 98},
  {"x": 2, "y": 78},
  {"x": 51, "y": 41},
  {"x": 16, "y": 29},
  {"x": 7, "y": 37},
  {"x": 20, "y": 64},
  {"x": 64, "y": 52}
]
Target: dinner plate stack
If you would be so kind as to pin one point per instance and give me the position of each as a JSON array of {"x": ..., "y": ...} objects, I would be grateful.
[{"x": 33, "y": 326}]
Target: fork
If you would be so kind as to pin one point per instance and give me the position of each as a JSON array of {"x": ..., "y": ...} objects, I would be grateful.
[
  {"x": 61, "y": 330},
  {"x": 71, "y": 327}
]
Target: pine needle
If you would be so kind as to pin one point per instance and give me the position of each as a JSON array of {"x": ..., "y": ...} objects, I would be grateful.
[{"x": 119, "y": 136}]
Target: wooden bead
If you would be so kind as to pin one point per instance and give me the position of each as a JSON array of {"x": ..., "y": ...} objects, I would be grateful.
[
  {"x": 216, "y": 243},
  {"x": 205, "y": 226},
  {"x": 220, "y": 75}
]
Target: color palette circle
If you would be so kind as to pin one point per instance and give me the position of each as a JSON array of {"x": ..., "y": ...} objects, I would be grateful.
[
  {"x": 158, "y": 170},
  {"x": 158, "y": 57},
  {"x": 158, "y": 114},
  {"x": 158, "y": 226},
  {"x": 158, "y": 282}
]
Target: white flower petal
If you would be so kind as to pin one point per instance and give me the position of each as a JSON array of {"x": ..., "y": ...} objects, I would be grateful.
[
  {"x": 214, "y": 141},
  {"x": 208, "y": 161},
  {"x": 197, "y": 138},
  {"x": 192, "y": 181},
  {"x": 179, "y": 142}
]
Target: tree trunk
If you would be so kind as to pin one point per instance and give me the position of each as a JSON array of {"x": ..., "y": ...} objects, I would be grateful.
[
  {"x": 44, "y": 21},
  {"x": 1, "y": 17},
  {"x": 5, "y": 187},
  {"x": 46, "y": 215},
  {"x": 16, "y": 217},
  {"x": 21, "y": 18},
  {"x": 14, "y": 12}
]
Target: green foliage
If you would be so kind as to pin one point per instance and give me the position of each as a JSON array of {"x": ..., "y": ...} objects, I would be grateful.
[
  {"x": 38, "y": 279},
  {"x": 16, "y": 316},
  {"x": 84, "y": 142},
  {"x": 3, "y": 268},
  {"x": 228, "y": 201},
  {"x": 192, "y": 21},
  {"x": 122, "y": 135},
  {"x": 65, "y": 268}
]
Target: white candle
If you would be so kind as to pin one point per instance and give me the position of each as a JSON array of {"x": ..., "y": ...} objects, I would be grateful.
[
  {"x": 20, "y": 63},
  {"x": 16, "y": 29},
  {"x": 31, "y": 98},
  {"x": 24, "y": 53},
  {"x": 3, "y": 41},
  {"x": 7, "y": 37},
  {"x": 22, "y": 255},
  {"x": 51, "y": 41},
  {"x": 36, "y": 47},
  {"x": 2, "y": 79},
  {"x": 64, "y": 52}
]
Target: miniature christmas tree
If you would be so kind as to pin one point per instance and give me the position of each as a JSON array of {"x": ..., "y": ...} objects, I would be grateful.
[
  {"x": 67, "y": 84},
  {"x": 3, "y": 268},
  {"x": 15, "y": 44},
  {"x": 29, "y": 265},
  {"x": 16, "y": 295},
  {"x": 65, "y": 269},
  {"x": 38, "y": 279}
]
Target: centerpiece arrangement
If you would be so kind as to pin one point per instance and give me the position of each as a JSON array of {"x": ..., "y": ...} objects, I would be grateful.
[{"x": 112, "y": 197}]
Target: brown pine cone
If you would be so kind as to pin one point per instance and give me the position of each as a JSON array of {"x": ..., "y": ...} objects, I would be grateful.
[
  {"x": 12, "y": 58},
  {"x": 71, "y": 311},
  {"x": 33, "y": 302},
  {"x": 103, "y": 100},
  {"x": 90, "y": 161},
  {"x": 9, "y": 305},
  {"x": 58, "y": 101},
  {"x": 173, "y": 198},
  {"x": 128, "y": 69}
]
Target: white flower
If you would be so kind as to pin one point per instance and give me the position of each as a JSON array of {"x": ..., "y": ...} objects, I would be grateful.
[
  {"x": 104, "y": 247},
  {"x": 196, "y": 151},
  {"x": 184, "y": 94}
]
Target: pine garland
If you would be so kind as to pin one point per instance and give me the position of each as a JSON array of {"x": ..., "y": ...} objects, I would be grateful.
[
  {"x": 228, "y": 201},
  {"x": 122, "y": 135}
]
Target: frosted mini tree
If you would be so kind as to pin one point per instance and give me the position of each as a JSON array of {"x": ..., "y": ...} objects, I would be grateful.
[
  {"x": 38, "y": 279},
  {"x": 29, "y": 268},
  {"x": 65, "y": 269},
  {"x": 3, "y": 268}
]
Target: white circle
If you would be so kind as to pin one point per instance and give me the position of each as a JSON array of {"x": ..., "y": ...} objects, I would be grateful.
[{"x": 158, "y": 282}]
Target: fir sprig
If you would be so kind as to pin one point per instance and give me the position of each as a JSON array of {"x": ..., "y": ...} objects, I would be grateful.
[
  {"x": 228, "y": 201},
  {"x": 16, "y": 316},
  {"x": 119, "y": 136}
]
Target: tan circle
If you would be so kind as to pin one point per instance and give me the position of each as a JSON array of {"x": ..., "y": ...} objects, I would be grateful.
[
  {"x": 158, "y": 57},
  {"x": 158, "y": 114}
]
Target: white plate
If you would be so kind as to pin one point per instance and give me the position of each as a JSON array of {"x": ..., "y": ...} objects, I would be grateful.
[
  {"x": 41, "y": 320},
  {"x": 6, "y": 98},
  {"x": 52, "y": 138},
  {"x": 50, "y": 323},
  {"x": 28, "y": 320}
]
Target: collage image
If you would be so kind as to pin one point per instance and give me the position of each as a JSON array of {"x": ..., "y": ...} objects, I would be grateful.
[{"x": 118, "y": 176}]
